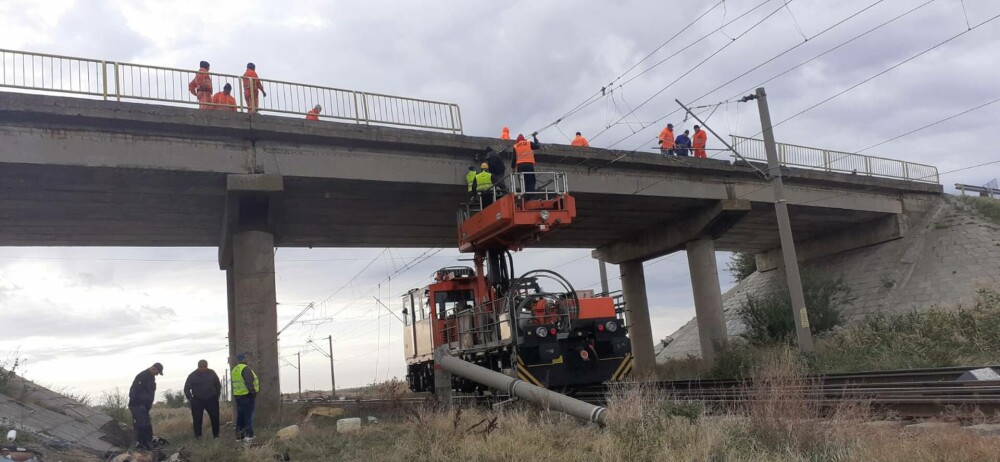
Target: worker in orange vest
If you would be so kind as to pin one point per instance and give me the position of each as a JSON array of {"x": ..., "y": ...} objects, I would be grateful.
[
  {"x": 580, "y": 141},
  {"x": 201, "y": 86},
  {"x": 251, "y": 86},
  {"x": 223, "y": 100},
  {"x": 313, "y": 114},
  {"x": 698, "y": 142},
  {"x": 524, "y": 160},
  {"x": 505, "y": 134},
  {"x": 667, "y": 140}
]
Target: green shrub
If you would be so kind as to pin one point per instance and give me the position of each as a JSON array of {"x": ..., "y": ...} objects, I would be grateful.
[
  {"x": 174, "y": 399},
  {"x": 985, "y": 206},
  {"x": 114, "y": 404},
  {"x": 768, "y": 319},
  {"x": 741, "y": 265}
]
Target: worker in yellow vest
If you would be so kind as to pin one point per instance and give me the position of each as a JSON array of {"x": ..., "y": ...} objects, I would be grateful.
[
  {"x": 246, "y": 397},
  {"x": 524, "y": 160},
  {"x": 470, "y": 177},
  {"x": 484, "y": 184}
]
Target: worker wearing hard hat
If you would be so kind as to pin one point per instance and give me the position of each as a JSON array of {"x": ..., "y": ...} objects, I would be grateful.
[
  {"x": 580, "y": 141},
  {"x": 667, "y": 140},
  {"x": 483, "y": 184},
  {"x": 252, "y": 87},
  {"x": 313, "y": 113},
  {"x": 223, "y": 100},
  {"x": 524, "y": 160},
  {"x": 201, "y": 86},
  {"x": 699, "y": 141}
]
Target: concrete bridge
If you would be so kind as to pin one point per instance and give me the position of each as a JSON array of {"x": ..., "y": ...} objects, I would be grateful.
[{"x": 79, "y": 172}]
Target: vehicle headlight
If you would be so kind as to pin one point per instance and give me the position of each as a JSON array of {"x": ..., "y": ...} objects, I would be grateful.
[
  {"x": 542, "y": 332},
  {"x": 544, "y": 214},
  {"x": 611, "y": 326}
]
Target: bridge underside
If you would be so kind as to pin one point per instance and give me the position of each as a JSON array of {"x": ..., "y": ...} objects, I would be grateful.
[{"x": 47, "y": 205}]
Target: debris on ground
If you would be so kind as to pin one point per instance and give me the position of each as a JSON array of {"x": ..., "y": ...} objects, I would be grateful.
[
  {"x": 288, "y": 433},
  {"x": 323, "y": 415}
]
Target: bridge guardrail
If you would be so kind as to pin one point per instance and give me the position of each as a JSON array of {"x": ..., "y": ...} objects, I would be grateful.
[
  {"x": 110, "y": 80},
  {"x": 837, "y": 161}
]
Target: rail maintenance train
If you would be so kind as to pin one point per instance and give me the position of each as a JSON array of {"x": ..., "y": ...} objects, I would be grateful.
[{"x": 536, "y": 326}]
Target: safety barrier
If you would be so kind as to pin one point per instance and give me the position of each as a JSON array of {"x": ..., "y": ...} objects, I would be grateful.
[
  {"x": 108, "y": 80},
  {"x": 836, "y": 161}
]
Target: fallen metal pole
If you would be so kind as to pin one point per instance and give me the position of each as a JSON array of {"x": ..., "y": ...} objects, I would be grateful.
[{"x": 516, "y": 387}]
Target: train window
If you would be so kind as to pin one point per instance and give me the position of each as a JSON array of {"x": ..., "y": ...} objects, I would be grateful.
[{"x": 450, "y": 302}]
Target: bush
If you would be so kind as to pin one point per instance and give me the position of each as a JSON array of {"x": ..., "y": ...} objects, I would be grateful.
[
  {"x": 174, "y": 399},
  {"x": 768, "y": 319},
  {"x": 741, "y": 265},
  {"x": 985, "y": 206},
  {"x": 114, "y": 404},
  {"x": 9, "y": 368}
]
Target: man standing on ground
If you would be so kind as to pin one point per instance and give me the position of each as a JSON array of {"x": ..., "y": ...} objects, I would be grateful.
[
  {"x": 667, "y": 140},
  {"x": 201, "y": 86},
  {"x": 699, "y": 142},
  {"x": 580, "y": 141},
  {"x": 682, "y": 144},
  {"x": 223, "y": 100},
  {"x": 246, "y": 385},
  {"x": 524, "y": 160},
  {"x": 140, "y": 401},
  {"x": 251, "y": 88},
  {"x": 202, "y": 390}
]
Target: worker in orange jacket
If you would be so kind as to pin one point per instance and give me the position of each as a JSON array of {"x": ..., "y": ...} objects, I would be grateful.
[
  {"x": 251, "y": 87},
  {"x": 524, "y": 160},
  {"x": 505, "y": 134},
  {"x": 580, "y": 141},
  {"x": 698, "y": 142},
  {"x": 667, "y": 140},
  {"x": 313, "y": 114},
  {"x": 201, "y": 86},
  {"x": 223, "y": 100}
]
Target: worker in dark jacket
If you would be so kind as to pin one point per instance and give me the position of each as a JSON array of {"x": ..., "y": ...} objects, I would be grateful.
[
  {"x": 140, "y": 401},
  {"x": 682, "y": 145},
  {"x": 246, "y": 385},
  {"x": 202, "y": 390},
  {"x": 497, "y": 169}
]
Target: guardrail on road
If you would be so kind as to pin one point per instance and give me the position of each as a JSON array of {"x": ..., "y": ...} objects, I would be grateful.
[
  {"x": 110, "y": 80},
  {"x": 836, "y": 161}
]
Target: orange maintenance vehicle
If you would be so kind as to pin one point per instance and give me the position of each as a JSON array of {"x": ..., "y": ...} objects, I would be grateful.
[{"x": 536, "y": 327}]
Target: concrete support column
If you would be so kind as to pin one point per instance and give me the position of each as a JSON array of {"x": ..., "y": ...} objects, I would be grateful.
[
  {"x": 637, "y": 311},
  {"x": 231, "y": 337},
  {"x": 255, "y": 319},
  {"x": 707, "y": 297}
]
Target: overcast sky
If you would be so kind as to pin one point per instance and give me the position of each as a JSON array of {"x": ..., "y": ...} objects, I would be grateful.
[{"x": 89, "y": 319}]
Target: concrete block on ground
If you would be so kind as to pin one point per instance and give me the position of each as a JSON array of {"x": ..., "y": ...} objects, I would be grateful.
[
  {"x": 883, "y": 424},
  {"x": 351, "y": 424},
  {"x": 984, "y": 429}
]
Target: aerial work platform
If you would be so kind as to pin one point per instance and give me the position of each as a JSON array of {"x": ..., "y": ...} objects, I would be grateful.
[{"x": 498, "y": 219}]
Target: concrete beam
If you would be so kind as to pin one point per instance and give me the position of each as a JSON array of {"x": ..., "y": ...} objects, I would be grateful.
[
  {"x": 711, "y": 222},
  {"x": 863, "y": 235},
  {"x": 253, "y": 202}
]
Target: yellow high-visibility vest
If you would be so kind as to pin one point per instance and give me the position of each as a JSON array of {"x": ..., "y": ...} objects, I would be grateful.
[{"x": 239, "y": 387}]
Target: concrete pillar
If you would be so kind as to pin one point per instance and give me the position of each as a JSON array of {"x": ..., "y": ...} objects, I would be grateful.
[
  {"x": 442, "y": 380},
  {"x": 256, "y": 316},
  {"x": 707, "y": 297},
  {"x": 604, "y": 276},
  {"x": 637, "y": 310},
  {"x": 231, "y": 309}
]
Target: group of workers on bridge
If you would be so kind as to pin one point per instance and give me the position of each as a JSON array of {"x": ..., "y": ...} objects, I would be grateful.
[
  {"x": 682, "y": 145},
  {"x": 203, "y": 390},
  {"x": 253, "y": 89}
]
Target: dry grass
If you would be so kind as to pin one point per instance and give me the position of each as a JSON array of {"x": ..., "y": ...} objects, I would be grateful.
[{"x": 779, "y": 422}]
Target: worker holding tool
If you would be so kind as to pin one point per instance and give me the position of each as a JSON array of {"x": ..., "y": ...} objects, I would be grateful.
[
  {"x": 699, "y": 141},
  {"x": 223, "y": 100},
  {"x": 201, "y": 86},
  {"x": 251, "y": 88},
  {"x": 580, "y": 141},
  {"x": 682, "y": 145},
  {"x": 524, "y": 160},
  {"x": 667, "y": 140}
]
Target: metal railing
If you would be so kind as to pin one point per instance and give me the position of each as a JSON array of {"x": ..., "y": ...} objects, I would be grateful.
[
  {"x": 28, "y": 72},
  {"x": 836, "y": 161}
]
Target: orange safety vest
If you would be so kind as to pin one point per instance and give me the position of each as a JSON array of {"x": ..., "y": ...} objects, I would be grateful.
[
  {"x": 699, "y": 139},
  {"x": 505, "y": 134},
  {"x": 667, "y": 139},
  {"x": 312, "y": 115},
  {"x": 523, "y": 152},
  {"x": 225, "y": 102},
  {"x": 580, "y": 141},
  {"x": 251, "y": 81},
  {"x": 202, "y": 83}
]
